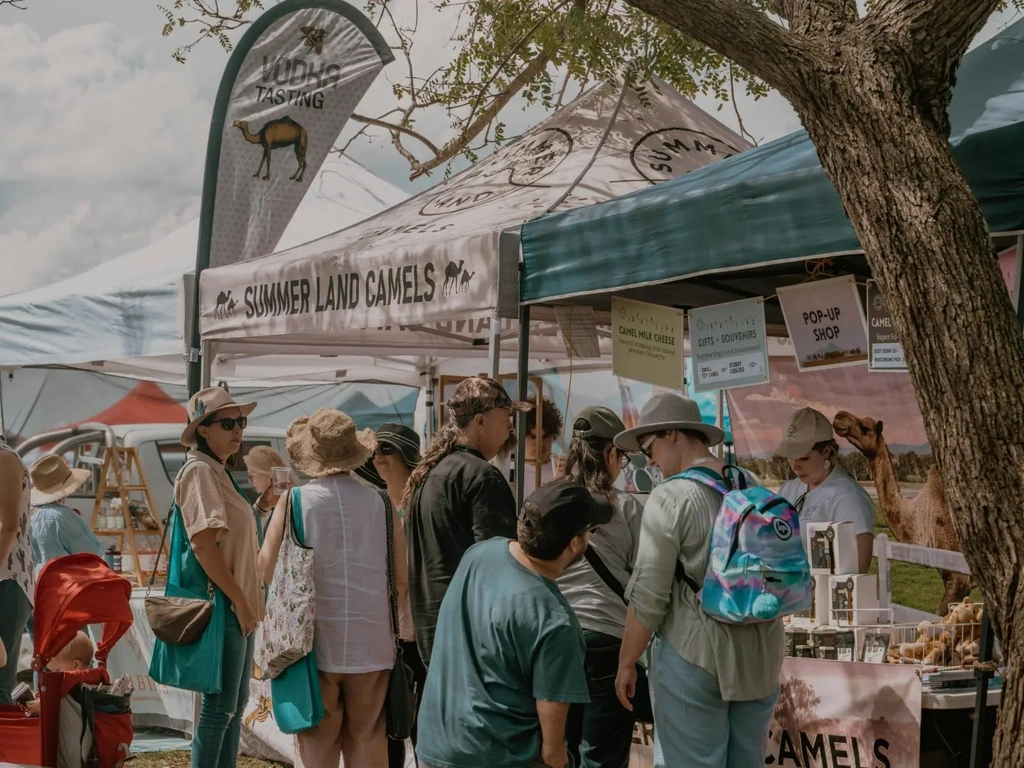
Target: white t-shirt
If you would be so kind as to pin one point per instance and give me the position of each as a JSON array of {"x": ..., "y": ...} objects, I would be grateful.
[
  {"x": 837, "y": 500},
  {"x": 547, "y": 474}
]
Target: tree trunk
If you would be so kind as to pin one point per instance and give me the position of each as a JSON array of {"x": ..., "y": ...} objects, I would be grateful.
[{"x": 929, "y": 248}]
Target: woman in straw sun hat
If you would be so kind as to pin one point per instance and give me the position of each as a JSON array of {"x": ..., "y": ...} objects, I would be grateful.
[
  {"x": 56, "y": 529},
  {"x": 713, "y": 685},
  {"x": 223, "y": 532},
  {"x": 344, "y": 523}
]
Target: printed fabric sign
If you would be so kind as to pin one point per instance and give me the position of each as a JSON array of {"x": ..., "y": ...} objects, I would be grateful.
[
  {"x": 647, "y": 343},
  {"x": 729, "y": 345},
  {"x": 833, "y": 713},
  {"x": 885, "y": 345},
  {"x": 298, "y": 75},
  {"x": 825, "y": 322}
]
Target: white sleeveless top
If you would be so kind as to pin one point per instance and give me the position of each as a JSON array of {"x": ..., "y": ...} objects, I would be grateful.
[
  {"x": 344, "y": 523},
  {"x": 19, "y": 564}
]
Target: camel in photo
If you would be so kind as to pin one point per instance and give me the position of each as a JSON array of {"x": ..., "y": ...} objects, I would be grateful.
[
  {"x": 284, "y": 132},
  {"x": 464, "y": 283},
  {"x": 923, "y": 520}
]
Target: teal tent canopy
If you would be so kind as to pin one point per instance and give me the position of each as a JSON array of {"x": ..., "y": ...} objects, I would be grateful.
[{"x": 773, "y": 204}]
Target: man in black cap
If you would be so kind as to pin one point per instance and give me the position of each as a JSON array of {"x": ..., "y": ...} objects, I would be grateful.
[
  {"x": 509, "y": 660},
  {"x": 455, "y": 498}
]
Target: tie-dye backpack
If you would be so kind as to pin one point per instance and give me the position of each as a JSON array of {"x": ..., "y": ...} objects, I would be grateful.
[{"x": 757, "y": 567}]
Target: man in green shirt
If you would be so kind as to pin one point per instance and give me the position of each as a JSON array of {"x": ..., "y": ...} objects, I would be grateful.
[{"x": 508, "y": 653}]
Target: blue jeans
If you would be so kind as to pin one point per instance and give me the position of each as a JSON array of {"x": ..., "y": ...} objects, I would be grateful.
[
  {"x": 215, "y": 744},
  {"x": 693, "y": 726},
  {"x": 15, "y": 611}
]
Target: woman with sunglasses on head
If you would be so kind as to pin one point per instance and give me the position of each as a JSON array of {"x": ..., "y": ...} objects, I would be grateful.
[
  {"x": 396, "y": 455},
  {"x": 599, "y": 734},
  {"x": 713, "y": 685},
  {"x": 222, "y": 529},
  {"x": 260, "y": 463}
]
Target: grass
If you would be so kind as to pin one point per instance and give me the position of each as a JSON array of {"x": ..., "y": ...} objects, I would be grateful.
[
  {"x": 184, "y": 760},
  {"x": 914, "y": 586}
]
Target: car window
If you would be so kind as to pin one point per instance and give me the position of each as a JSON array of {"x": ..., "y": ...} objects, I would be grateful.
[{"x": 172, "y": 456}]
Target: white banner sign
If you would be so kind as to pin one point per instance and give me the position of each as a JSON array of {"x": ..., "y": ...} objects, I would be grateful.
[
  {"x": 294, "y": 80},
  {"x": 825, "y": 322},
  {"x": 647, "y": 343},
  {"x": 834, "y": 713},
  {"x": 729, "y": 345},
  {"x": 886, "y": 348},
  {"x": 153, "y": 704}
]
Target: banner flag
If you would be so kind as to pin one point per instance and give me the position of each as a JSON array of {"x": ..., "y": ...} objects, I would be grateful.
[{"x": 289, "y": 88}]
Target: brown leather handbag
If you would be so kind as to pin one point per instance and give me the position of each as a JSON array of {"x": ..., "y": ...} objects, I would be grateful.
[{"x": 176, "y": 620}]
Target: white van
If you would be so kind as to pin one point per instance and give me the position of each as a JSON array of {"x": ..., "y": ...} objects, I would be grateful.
[{"x": 162, "y": 455}]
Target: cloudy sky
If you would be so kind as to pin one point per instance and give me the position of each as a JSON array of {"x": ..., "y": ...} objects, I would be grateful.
[{"x": 104, "y": 134}]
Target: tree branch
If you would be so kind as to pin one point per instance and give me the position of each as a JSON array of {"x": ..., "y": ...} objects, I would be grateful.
[
  {"x": 932, "y": 30},
  {"x": 452, "y": 148},
  {"x": 741, "y": 33},
  {"x": 395, "y": 128},
  {"x": 19, "y": 4}
]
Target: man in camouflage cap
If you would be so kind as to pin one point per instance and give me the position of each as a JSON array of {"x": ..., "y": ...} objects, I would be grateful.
[{"x": 455, "y": 498}]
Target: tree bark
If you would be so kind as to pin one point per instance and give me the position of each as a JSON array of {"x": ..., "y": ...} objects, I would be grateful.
[
  {"x": 873, "y": 95},
  {"x": 929, "y": 248}
]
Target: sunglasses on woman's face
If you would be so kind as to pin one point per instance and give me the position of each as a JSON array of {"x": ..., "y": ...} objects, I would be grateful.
[
  {"x": 384, "y": 450},
  {"x": 229, "y": 423}
]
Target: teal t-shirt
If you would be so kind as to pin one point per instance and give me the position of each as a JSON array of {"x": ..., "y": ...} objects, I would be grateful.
[{"x": 505, "y": 638}]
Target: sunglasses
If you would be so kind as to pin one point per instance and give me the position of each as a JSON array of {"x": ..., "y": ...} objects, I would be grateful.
[
  {"x": 383, "y": 449},
  {"x": 229, "y": 423},
  {"x": 645, "y": 446}
]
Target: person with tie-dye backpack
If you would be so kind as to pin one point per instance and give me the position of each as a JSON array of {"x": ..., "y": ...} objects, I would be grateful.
[{"x": 713, "y": 684}]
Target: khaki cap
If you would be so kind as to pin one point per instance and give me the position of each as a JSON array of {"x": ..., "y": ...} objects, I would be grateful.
[{"x": 806, "y": 428}]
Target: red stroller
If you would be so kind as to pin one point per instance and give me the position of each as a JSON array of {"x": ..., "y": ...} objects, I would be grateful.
[{"x": 71, "y": 593}]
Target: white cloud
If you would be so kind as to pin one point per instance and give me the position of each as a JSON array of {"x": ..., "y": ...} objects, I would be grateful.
[{"x": 102, "y": 149}]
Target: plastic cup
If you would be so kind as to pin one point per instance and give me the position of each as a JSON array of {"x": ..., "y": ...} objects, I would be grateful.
[{"x": 282, "y": 477}]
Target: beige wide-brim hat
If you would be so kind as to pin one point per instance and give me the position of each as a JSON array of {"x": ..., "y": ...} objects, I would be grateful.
[
  {"x": 327, "y": 443},
  {"x": 668, "y": 411},
  {"x": 205, "y": 403},
  {"x": 53, "y": 480},
  {"x": 806, "y": 429}
]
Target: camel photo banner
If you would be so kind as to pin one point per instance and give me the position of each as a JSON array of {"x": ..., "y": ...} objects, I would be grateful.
[{"x": 288, "y": 90}]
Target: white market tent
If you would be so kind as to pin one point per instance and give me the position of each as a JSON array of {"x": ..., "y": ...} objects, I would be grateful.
[
  {"x": 438, "y": 273},
  {"x": 127, "y": 315}
]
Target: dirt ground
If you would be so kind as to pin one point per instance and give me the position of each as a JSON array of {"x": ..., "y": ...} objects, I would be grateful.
[{"x": 183, "y": 760}]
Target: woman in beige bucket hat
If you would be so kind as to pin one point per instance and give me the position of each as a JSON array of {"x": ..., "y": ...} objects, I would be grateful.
[
  {"x": 223, "y": 532},
  {"x": 344, "y": 523},
  {"x": 55, "y": 529}
]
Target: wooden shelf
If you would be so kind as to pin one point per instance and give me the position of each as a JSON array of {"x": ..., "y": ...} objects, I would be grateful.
[{"x": 121, "y": 465}]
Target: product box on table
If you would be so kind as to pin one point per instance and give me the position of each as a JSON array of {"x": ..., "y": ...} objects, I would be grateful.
[
  {"x": 831, "y": 548},
  {"x": 816, "y": 614},
  {"x": 853, "y": 600}
]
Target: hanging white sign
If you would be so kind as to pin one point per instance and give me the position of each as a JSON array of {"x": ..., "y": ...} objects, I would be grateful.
[
  {"x": 729, "y": 345},
  {"x": 647, "y": 343},
  {"x": 825, "y": 322},
  {"x": 885, "y": 345}
]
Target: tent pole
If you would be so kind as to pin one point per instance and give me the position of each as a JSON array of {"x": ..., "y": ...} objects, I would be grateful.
[
  {"x": 3, "y": 421},
  {"x": 429, "y": 421},
  {"x": 494, "y": 350},
  {"x": 522, "y": 385},
  {"x": 982, "y": 732},
  {"x": 720, "y": 422},
  {"x": 206, "y": 361}
]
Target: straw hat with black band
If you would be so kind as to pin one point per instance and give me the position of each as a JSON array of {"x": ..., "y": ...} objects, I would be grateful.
[
  {"x": 664, "y": 412},
  {"x": 328, "y": 443},
  {"x": 53, "y": 480},
  {"x": 203, "y": 404}
]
